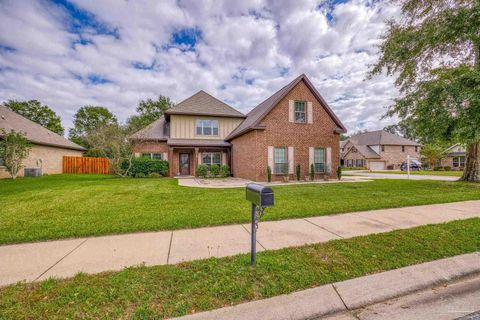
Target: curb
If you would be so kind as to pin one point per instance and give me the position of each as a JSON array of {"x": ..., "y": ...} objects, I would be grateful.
[{"x": 350, "y": 294}]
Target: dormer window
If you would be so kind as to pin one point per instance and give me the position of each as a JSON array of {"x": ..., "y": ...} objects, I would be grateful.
[
  {"x": 206, "y": 127},
  {"x": 300, "y": 112}
]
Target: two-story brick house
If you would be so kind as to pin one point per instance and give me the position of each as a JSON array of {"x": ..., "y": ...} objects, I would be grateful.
[
  {"x": 378, "y": 150},
  {"x": 295, "y": 126}
]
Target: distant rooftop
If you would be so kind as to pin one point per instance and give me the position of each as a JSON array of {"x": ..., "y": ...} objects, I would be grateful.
[
  {"x": 381, "y": 137},
  {"x": 37, "y": 134}
]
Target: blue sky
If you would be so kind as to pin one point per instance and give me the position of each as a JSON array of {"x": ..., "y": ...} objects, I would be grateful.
[{"x": 68, "y": 54}]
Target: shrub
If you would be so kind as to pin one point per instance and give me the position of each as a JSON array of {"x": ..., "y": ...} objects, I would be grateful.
[
  {"x": 154, "y": 175},
  {"x": 269, "y": 174},
  {"x": 312, "y": 172},
  {"x": 140, "y": 175},
  {"x": 224, "y": 171},
  {"x": 202, "y": 170},
  {"x": 96, "y": 153},
  {"x": 146, "y": 166},
  {"x": 339, "y": 173},
  {"x": 447, "y": 168},
  {"x": 215, "y": 170},
  {"x": 297, "y": 172},
  {"x": 438, "y": 168}
]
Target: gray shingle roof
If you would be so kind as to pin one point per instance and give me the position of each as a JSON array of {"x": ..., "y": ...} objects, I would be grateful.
[
  {"x": 381, "y": 137},
  {"x": 367, "y": 152},
  {"x": 157, "y": 131},
  {"x": 10, "y": 120},
  {"x": 259, "y": 112},
  {"x": 202, "y": 103}
]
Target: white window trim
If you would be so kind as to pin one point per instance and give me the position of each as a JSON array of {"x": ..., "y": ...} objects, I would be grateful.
[
  {"x": 150, "y": 155},
  {"x": 285, "y": 164},
  {"x": 212, "y": 121},
  {"x": 305, "y": 111},
  {"x": 324, "y": 160}
]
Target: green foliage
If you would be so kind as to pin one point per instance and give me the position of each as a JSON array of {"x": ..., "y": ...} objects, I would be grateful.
[
  {"x": 145, "y": 166},
  {"x": 154, "y": 175},
  {"x": 87, "y": 120},
  {"x": 312, "y": 172},
  {"x": 269, "y": 174},
  {"x": 202, "y": 170},
  {"x": 297, "y": 172},
  {"x": 34, "y": 111},
  {"x": 14, "y": 148},
  {"x": 148, "y": 111},
  {"x": 339, "y": 172},
  {"x": 224, "y": 171},
  {"x": 214, "y": 170},
  {"x": 434, "y": 51},
  {"x": 447, "y": 168},
  {"x": 140, "y": 175},
  {"x": 438, "y": 168},
  {"x": 96, "y": 152},
  {"x": 433, "y": 153}
]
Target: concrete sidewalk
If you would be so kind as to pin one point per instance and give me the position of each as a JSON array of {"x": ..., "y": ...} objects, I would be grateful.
[
  {"x": 339, "y": 299},
  {"x": 65, "y": 258}
]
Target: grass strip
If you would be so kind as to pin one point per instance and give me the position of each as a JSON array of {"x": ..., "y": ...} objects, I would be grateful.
[{"x": 175, "y": 290}]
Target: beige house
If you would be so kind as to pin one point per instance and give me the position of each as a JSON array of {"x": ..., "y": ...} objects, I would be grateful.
[
  {"x": 48, "y": 148},
  {"x": 377, "y": 150},
  {"x": 455, "y": 157},
  {"x": 293, "y": 127}
]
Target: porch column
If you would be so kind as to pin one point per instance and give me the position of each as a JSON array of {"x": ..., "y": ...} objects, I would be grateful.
[
  {"x": 195, "y": 162},
  {"x": 170, "y": 162}
]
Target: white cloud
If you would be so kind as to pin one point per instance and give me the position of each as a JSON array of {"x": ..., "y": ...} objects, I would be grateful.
[{"x": 245, "y": 52}]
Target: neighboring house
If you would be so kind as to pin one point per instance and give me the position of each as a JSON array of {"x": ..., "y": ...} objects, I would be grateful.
[
  {"x": 48, "y": 148},
  {"x": 455, "y": 157},
  {"x": 378, "y": 150},
  {"x": 294, "y": 126}
]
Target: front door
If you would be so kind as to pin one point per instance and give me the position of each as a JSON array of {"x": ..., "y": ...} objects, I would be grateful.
[{"x": 184, "y": 164}]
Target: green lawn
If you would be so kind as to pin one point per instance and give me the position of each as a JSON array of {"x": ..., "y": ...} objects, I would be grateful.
[
  {"x": 63, "y": 206},
  {"x": 174, "y": 290},
  {"x": 426, "y": 173}
]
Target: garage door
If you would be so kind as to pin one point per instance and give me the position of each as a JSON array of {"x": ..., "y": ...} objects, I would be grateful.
[{"x": 377, "y": 165}]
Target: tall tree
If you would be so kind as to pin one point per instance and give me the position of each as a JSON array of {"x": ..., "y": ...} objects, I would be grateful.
[
  {"x": 148, "y": 111},
  {"x": 434, "y": 52},
  {"x": 401, "y": 128},
  {"x": 33, "y": 110},
  {"x": 88, "y": 119}
]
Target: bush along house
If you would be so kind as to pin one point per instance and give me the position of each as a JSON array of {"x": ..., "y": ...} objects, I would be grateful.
[{"x": 294, "y": 127}]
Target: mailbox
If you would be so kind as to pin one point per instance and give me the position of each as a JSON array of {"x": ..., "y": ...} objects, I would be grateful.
[{"x": 259, "y": 195}]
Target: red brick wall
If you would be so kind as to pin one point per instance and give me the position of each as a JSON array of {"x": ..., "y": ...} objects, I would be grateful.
[
  {"x": 152, "y": 147},
  {"x": 280, "y": 132},
  {"x": 243, "y": 156}
]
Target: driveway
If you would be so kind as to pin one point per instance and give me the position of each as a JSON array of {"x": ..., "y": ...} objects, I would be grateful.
[{"x": 386, "y": 175}]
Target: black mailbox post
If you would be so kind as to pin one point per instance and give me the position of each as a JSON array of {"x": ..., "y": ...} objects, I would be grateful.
[{"x": 261, "y": 197}]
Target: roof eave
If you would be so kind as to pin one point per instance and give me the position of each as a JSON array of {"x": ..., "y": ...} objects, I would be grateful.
[{"x": 204, "y": 114}]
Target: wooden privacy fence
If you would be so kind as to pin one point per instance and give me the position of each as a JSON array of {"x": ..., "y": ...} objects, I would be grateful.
[{"x": 85, "y": 165}]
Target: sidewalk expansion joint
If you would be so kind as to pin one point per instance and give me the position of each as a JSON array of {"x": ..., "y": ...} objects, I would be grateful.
[
  {"x": 261, "y": 245},
  {"x": 66, "y": 255},
  {"x": 340, "y": 297},
  {"x": 169, "y": 247},
  {"x": 325, "y": 229}
]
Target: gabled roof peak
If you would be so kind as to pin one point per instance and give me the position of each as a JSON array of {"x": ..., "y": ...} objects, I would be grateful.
[{"x": 203, "y": 103}]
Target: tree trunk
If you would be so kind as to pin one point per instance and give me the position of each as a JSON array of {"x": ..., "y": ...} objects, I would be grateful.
[{"x": 471, "y": 172}]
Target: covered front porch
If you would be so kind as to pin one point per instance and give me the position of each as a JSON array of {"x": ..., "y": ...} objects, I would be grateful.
[{"x": 184, "y": 159}]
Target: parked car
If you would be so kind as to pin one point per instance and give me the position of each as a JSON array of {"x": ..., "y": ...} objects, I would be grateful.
[{"x": 414, "y": 165}]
